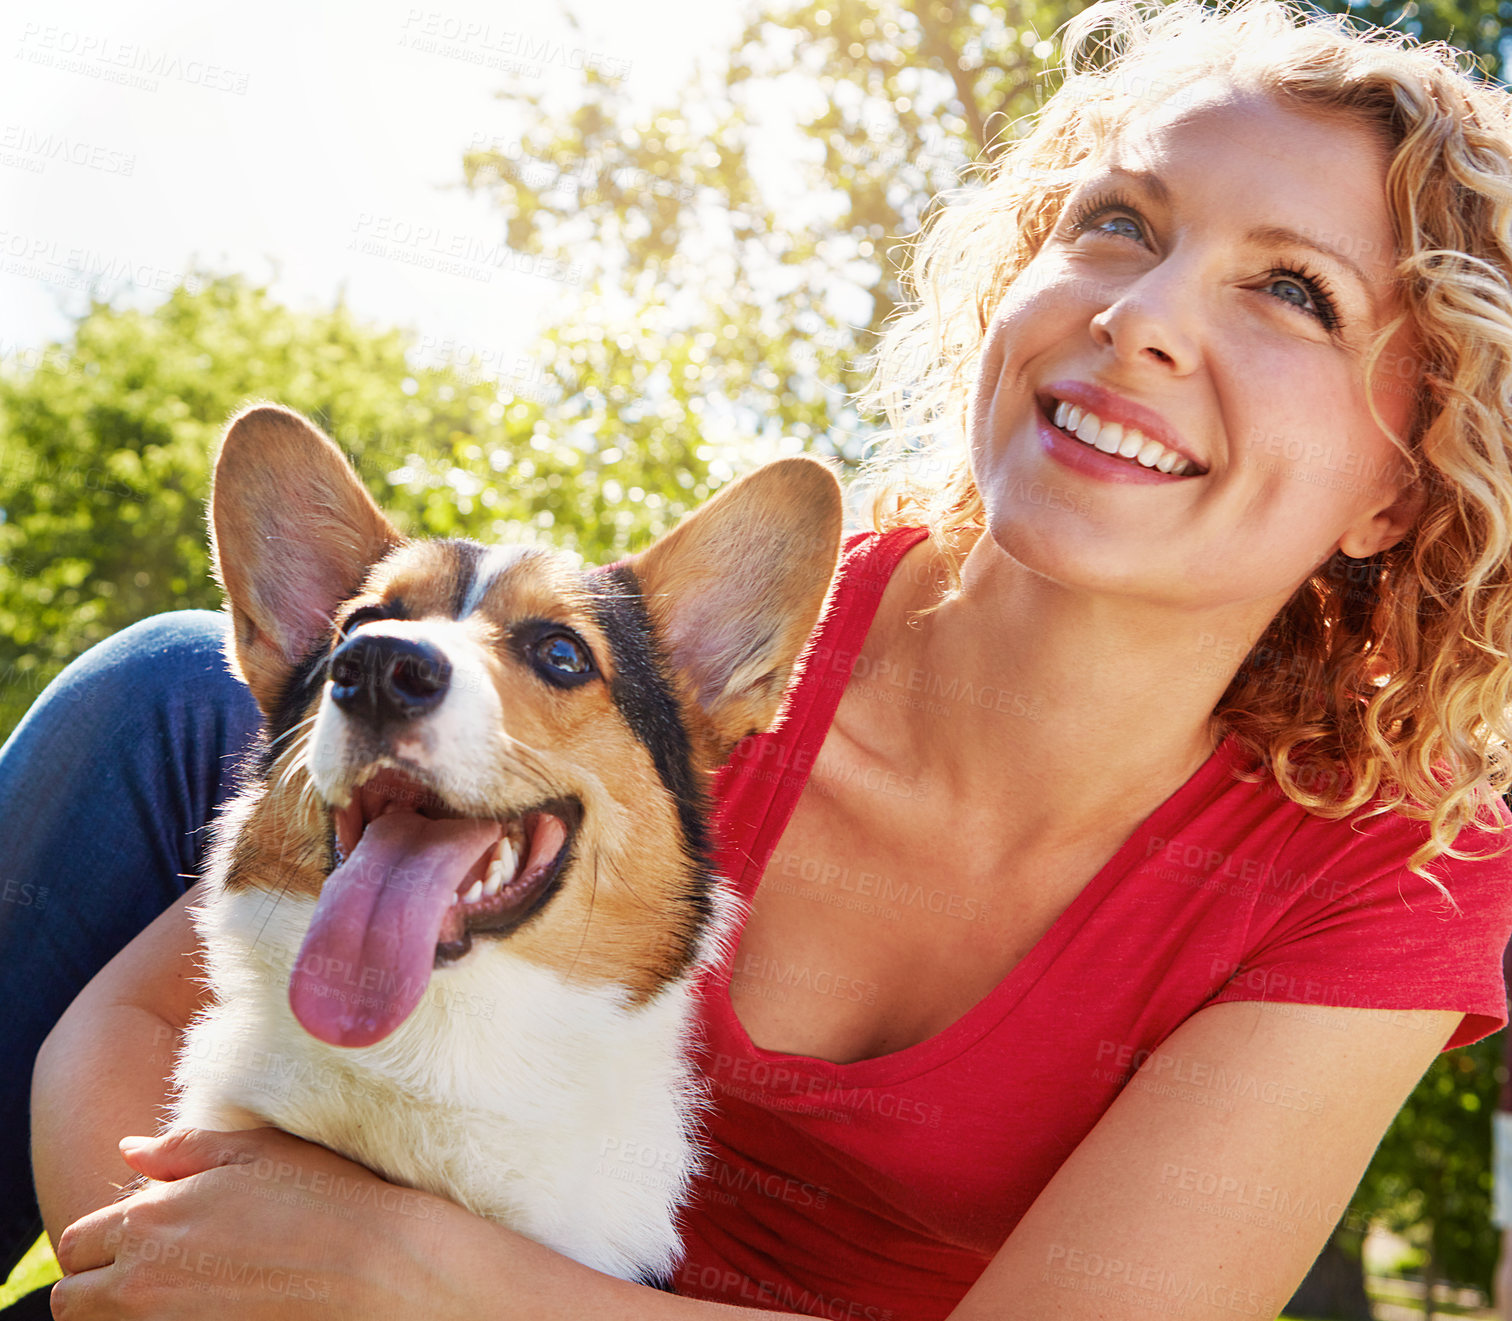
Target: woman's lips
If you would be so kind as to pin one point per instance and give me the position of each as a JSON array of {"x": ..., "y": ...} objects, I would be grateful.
[
  {"x": 1131, "y": 418},
  {"x": 1083, "y": 458}
]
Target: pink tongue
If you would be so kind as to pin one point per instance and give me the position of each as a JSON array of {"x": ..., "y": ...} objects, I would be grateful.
[{"x": 371, "y": 945}]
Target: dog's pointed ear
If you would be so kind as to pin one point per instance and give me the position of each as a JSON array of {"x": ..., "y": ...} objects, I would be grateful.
[
  {"x": 293, "y": 533},
  {"x": 734, "y": 592}
]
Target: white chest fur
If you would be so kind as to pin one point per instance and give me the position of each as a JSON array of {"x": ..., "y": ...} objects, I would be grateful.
[{"x": 556, "y": 1109}]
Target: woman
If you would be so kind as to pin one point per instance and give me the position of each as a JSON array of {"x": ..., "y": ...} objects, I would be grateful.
[{"x": 1095, "y": 945}]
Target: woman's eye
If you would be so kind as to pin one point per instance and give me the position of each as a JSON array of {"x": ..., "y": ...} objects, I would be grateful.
[
  {"x": 1306, "y": 294},
  {"x": 1109, "y": 225},
  {"x": 1289, "y": 291},
  {"x": 1106, "y": 213}
]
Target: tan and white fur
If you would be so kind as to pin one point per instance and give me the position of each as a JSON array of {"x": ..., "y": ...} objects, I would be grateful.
[{"x": 542, "y": 1075}]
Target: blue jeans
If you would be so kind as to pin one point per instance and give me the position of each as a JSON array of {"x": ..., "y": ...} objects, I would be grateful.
[{"x": 106, "y": 788}]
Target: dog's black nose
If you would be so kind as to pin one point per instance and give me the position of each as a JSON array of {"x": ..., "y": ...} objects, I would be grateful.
[{"x": 383, "y": 679}]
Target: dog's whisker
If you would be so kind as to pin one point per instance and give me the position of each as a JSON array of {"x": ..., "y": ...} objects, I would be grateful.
[
  {"x": 637, "y": 896},
  {"x": 298, "y": 728},
  {"x": 530, "y": 765}
]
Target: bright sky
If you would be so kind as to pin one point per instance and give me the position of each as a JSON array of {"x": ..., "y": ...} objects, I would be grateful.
[{"x": 315, "y": 144}]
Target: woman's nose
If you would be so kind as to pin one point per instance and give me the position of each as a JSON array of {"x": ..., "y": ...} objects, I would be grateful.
[{"x": 1153, "y": 320}]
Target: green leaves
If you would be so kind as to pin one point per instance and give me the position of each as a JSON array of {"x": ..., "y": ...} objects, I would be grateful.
[
  {"x": 755, "y": 216},
  {"x": 1430, "y": 1179},
  {"x": 108, "y": 439}
]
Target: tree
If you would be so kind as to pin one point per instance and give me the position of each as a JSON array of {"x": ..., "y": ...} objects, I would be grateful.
[
  {"x": 750, "y": 226},
  {"x": 107, "y": 441},
  {"x": 1430, "y": 1179}
]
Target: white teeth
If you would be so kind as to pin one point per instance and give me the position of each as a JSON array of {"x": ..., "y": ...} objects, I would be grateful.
[
  {"x": 474, "y": 893},
  {"x": 501, "y": 870},
  {"x": 1115, "y": 438}
]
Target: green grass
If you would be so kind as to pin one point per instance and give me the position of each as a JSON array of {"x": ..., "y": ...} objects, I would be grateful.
[{"x": 37, "y": 1268}]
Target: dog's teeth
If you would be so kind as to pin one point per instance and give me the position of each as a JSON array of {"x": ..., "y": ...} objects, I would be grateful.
[
  {"x": 508, "y": 862},
  {"x": 496, "y": 879},
  {"x": 474, "y": 893}
]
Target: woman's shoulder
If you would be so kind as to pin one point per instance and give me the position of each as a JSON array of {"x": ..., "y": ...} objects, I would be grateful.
[
  {"x": 1376, "y": 831},
  {"x": 1289, "y": 870},
  {"x": 1379, "y": 838},
  {"x": 1327, "y": 910}
]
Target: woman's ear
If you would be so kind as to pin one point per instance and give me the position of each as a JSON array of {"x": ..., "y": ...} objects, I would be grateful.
[{"x": 1387, "y": 524}]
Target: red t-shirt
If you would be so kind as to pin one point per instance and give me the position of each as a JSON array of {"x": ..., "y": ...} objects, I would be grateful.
[{"x": 879, "y": 1190}]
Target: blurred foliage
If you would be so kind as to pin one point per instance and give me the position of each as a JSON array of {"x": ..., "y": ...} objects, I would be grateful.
[
  {"x": 1430, "y": 1179},
  {"x": 1475, "y": 27},
  {"x": 108, "y": 439},
  {"x": 758, "y": 214}
]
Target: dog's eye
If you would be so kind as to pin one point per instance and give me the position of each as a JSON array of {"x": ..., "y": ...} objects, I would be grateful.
[
  {"x": 562, "y": 659},
  {"x": 364, "y": 615}
]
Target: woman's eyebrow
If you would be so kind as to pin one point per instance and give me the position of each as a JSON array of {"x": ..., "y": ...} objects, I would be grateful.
[
  {"x": 1281, "y": 236},
  {"x": 1147, "y": 180}
]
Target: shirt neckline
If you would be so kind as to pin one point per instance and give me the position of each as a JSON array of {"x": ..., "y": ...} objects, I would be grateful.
[{"x": 853, "y": 610}]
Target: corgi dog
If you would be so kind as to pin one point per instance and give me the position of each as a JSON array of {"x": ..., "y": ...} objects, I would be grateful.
[{"x": 456, "y": 912}]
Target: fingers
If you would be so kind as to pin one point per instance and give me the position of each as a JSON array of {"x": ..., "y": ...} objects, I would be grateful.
[
  {"x": 91, "y": 1242},
  {"x": 93, "y": 1296},
  {"x": 192, "y": 1151}
]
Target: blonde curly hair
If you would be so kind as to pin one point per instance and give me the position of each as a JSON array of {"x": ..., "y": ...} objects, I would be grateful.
[{"x": 1397, "y": 679}]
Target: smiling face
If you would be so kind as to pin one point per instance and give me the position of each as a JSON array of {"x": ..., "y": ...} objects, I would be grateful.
[{"x": 1204, "y": 304}]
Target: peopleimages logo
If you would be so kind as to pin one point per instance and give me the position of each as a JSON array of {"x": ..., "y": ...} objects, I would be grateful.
[
  {"x": 729, "y": 1286},
  {"x": 1156, "y": 1067},
  {"x": 435, "y": 33},
  {"x": 759, "y": 1080},
  {"x": 32, "y": 149},
  {"x": 891, "y": 896},
  {"x": 99, "y": 55}
]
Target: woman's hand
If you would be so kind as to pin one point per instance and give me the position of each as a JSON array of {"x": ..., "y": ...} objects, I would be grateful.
[{"x": 260, "y": 1223}]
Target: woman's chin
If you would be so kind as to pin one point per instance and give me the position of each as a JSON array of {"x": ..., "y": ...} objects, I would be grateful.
[{"x": 1079, "y": 559}]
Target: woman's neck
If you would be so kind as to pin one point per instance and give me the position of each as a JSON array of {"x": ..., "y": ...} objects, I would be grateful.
[{"x": 1079, "y": 708}]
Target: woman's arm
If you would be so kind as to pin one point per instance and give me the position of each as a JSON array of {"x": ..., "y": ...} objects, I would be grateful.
[
  {"x": 261, "y": 1224},
  {"x": 1213, "y": 1182},
  {"x": 103, "y": 1071},
  {"x": 1205, "y": 1192}
]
